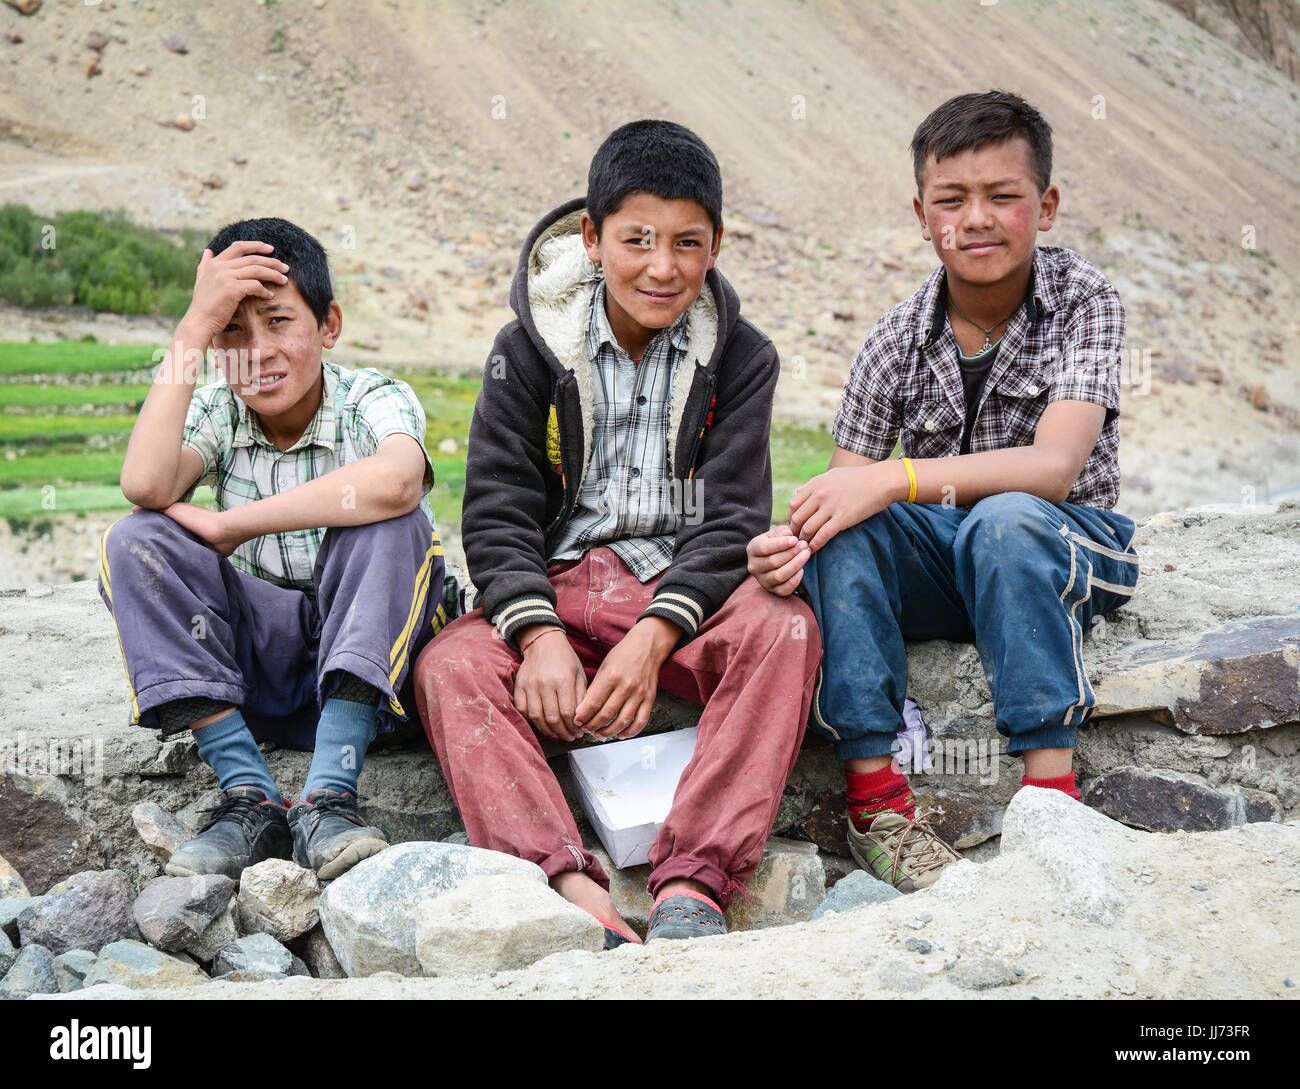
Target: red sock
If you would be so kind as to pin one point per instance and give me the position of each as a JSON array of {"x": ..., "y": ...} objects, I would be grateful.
[
  {"x": 1063, "y": 783},
  {"x": 874, "y": 792}
]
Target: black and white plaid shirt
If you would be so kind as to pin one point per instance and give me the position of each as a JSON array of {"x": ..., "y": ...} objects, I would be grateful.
[
  {"x": 1066, "y": 343},
  {"x": 626, "y": 498}
]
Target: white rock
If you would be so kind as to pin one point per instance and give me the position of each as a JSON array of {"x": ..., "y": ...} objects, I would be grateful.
[
  {"x": 280, "y": 898},
  {"x": 368, "y": 914},
  {"x": 497, "y": 924},
  {"x": 1073, "y": 845}
]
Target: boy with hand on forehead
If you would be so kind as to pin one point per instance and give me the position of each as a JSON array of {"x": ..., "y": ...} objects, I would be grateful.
[
  {"x": 292, "y": 610},
  {"x": 628, "y": 383},
  {"x": 1002, "y": 374}
]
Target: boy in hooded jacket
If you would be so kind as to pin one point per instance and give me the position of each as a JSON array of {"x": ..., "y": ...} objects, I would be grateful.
[{"x": 618, "y": 465}]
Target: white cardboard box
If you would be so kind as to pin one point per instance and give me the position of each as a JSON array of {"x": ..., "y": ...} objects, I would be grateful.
[{"x": 626, "y": 789}]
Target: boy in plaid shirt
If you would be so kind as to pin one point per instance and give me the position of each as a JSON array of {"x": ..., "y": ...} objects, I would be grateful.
[
  {"x": 1002, "y": 374},
  {"x": 293, "y": 610}
]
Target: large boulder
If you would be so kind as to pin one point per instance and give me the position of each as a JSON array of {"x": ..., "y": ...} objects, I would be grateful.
[
  {"x": 498, "y": 923},
  {"x": 368, "y": 914}
]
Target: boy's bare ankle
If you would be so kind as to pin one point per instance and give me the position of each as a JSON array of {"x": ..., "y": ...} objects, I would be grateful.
[
  {"x": 581, "y": 890},
  {"x": 685, "y": 884}
]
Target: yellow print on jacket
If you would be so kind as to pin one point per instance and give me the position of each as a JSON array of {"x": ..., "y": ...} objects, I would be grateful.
[{"x": 553, "y": 438}]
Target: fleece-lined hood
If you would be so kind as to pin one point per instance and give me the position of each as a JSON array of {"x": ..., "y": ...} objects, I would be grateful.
[{"x": 552, "y": 292}]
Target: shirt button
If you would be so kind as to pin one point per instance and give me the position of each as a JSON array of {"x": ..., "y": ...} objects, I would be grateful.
[
  {"x": 636, "y": 472},
  {"x": 929, "y": 425},
  {"x": 1033, "y": 391},
  {"x": 283, "y": 482},
  {"x": 642, "y": 399}
]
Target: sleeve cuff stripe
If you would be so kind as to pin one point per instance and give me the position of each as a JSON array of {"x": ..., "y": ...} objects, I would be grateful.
[
  {"x": 539, "y": 616},
  {"x": 659, "y": 604},
  {"x": 530, "y": 604},
  {"x": 668, "y": 595}
]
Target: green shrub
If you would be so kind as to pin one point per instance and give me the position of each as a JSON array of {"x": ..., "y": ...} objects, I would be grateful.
[{"x": 96, "y": 259}]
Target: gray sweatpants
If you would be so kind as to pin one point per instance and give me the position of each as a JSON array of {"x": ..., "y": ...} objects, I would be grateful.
[{"x": 191, "y": 625}]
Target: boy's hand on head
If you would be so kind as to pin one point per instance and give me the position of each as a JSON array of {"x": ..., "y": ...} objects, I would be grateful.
[
  {"x": 623, "y": 691},
  {"x": 837, "y": 499},
  {"x": 549, "y": 683},
  {"x": 223, "y": 281},
  {"x": 210, "y": 525},
  {"x": 776, "y": 560}
]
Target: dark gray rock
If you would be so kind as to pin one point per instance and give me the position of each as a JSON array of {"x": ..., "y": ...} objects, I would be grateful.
[
  {"x": 87, "y": 911},
  {"x": 314, "y": 948},
  {"x": 43, "y": 833},
  {"x": 72, "y": 967},
  {"x": 172, "y": 912},
  {"x": 1167, "y": 801},
  {"x": 32, "y": 972},
  {"x": 857, "y": 890},
  {"x": 254, "y": 953},
  {"x": 222, "y": 931}
]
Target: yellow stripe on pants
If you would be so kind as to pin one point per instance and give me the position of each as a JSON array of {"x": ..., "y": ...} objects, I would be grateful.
[
  {"x": 397, "y": 656},
  {"x": 106, "y": 578}
]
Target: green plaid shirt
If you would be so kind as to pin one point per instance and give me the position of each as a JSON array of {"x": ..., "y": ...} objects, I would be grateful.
[{"x": 241, "y": 465}]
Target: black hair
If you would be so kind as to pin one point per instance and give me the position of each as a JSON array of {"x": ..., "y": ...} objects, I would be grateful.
[
  {"x": 975, "y": 120},
  {"x": 661, "y": 158},
  {"x": 308, "y": 266}
]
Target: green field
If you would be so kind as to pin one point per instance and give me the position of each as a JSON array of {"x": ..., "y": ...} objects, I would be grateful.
[{"x": 66, "y": 412}]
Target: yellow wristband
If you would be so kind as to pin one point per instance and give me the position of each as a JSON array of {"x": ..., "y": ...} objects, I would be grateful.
[{"x": 911, "y": 480}]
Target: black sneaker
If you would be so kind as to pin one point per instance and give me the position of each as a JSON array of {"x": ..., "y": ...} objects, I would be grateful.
[
  {"x": 328, "y": 835},
  {"x": 246, "y": 828}
]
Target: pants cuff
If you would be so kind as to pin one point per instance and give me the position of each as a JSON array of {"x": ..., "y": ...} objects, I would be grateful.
[
  {"x": 675, "y": 869},
  {"x": 872, "y": 744},
  {"x": 574, "y": 860},
  {"x": 1042, "y": 737}
]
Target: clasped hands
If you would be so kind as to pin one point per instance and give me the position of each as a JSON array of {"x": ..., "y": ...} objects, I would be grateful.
[{"x": 552, "y": 692}]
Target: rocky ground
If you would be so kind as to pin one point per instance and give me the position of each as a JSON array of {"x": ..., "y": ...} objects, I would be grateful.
[{"x": 1073, "y": 906}]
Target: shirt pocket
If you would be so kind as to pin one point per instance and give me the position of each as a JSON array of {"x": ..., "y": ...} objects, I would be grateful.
[
  {"x": 931, "y": 429},
  {"x": 1017, "y": 403}
]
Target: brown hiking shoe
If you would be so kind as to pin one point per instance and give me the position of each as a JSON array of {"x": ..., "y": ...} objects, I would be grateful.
[{"x": 906, "y": 854}]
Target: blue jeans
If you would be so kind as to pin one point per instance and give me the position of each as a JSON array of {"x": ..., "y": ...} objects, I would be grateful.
[{"x": 1020, "y": 577}]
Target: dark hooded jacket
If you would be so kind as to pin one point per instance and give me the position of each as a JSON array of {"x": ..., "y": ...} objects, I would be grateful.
[{"x": 530, "y": 439}]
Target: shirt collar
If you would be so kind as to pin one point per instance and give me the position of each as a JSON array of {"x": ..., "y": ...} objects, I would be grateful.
[
  {"x": 934, "y": 309},
  {"x": 599, "y": 332},
  {"x": 322, "y": 430}
]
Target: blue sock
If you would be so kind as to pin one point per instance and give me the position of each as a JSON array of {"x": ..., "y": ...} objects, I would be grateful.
[
  {"x": 342, "y": 734},
  {"x": 228, "y": 748}
]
